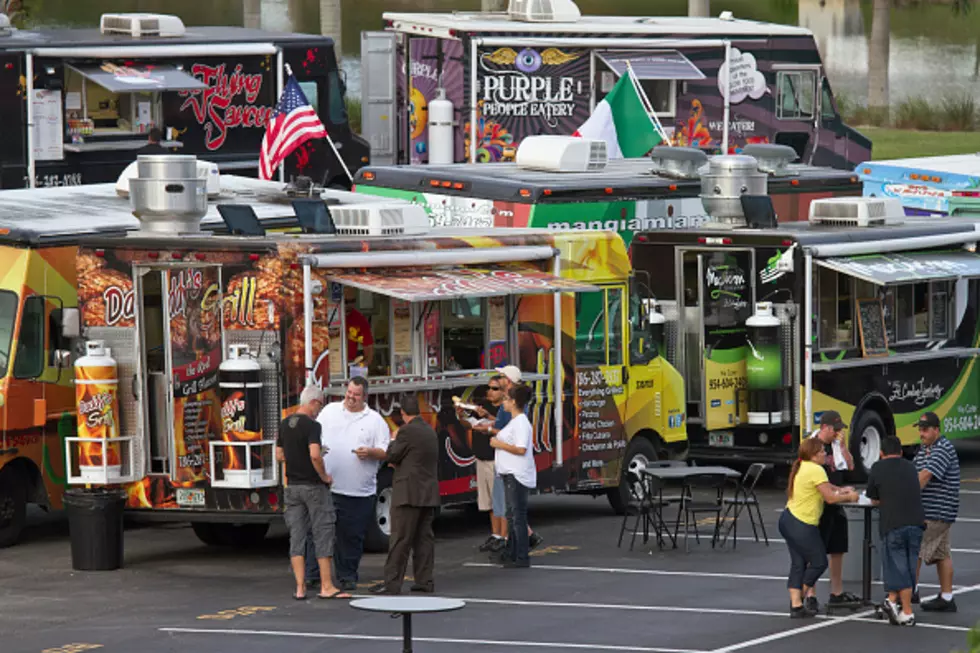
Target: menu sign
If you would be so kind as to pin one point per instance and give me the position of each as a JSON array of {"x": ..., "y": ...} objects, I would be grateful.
[{"x": 597, "y": 418}]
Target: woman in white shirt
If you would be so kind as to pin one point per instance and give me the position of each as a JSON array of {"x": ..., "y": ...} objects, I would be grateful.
[{"x": 514, "y": 463}]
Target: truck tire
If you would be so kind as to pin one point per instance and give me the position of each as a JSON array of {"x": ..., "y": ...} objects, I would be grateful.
[
  {"x": 639, "y": 452},
  {"x": 379, "y": 528},
  {"x": 240, "y": 536},
  {"x": 865, "y": 443},
  {"x": 13, "y": 508}
]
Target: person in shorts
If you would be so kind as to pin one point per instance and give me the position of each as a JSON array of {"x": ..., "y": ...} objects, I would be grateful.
[
  {"x": 939, "y": 477},
  {"x": 833, "y": 521},
  {"x": 893, "y": 486},
  {"x": 307, "y": 500},
  {"x": 486, "y": 498}
]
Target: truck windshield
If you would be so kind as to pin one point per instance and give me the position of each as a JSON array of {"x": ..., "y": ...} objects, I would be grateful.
[{"x": 8, "y": 315}]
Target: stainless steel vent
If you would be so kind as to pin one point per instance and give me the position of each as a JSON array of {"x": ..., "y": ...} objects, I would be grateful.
[
  {"x": 727, "y": 178},
  {"x": 168, "y": 196},
  {"x": 678, "y": 162}
]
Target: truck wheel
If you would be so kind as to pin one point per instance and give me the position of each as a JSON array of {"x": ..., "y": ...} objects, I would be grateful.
[
  {"x": 865, "y": 443},
  {"x": 13, "y": 508},
  {"x": 240, "y": 536},
  {"x": 639, "y": 453},
  {"x": 379, "y": 528}
]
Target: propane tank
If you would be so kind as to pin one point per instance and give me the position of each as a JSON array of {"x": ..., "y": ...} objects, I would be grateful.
[
  {"x": 441, "y": 113},
  {"x": 240, "y": 381},
  {"x": 764, "y": 366},
  {"x": 96, "y": 399}
]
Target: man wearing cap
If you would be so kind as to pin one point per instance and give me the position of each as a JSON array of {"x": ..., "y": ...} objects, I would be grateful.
[
  {"x": 511, "y": 376},
  {"x": 939, "y": 477},
  {"x": 833, "y": 521}
]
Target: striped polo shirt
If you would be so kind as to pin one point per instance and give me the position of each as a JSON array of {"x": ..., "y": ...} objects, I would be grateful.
[{"x": 941, "y": 495}]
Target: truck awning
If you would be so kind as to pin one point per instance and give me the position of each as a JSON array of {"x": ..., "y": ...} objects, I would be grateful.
[
  {"x": 663, "y": 64},
  {"x": 884, "y": 269},
  {"x": 138, "y": 77},
  {"x": 420, "y": 284}
]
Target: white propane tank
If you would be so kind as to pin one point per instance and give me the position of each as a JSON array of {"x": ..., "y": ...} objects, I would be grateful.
[
  {"x": 441, "y": 146},
  {"x": 96, "y": 399},
  {"x": 240, "y": 381}
]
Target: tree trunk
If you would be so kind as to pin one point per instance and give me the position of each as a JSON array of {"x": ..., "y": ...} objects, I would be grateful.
[
  {"x": 493, "y": 5},
  {"x": 878, "y": 55},
  {"x": 699, "y": 8},
  {"x": 330, "y": 23},
  {"x": 252, "y": 14}
]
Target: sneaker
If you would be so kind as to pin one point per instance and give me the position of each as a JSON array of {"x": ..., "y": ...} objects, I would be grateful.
[
  {"x": 489, "y": 543},
  {"x": 497, "y": 545},
  {"x": 915, "y": 596},
  {"x": 534, "y": 541},
  {"x": 939, "y": 604},
  {"x": 891, "y": 611},
  {"x": 844, "y": 599},
  {"x": 800, "y": 612},
  {"x": 812, "y": 604},
  {"x": 906, "y": 619}
]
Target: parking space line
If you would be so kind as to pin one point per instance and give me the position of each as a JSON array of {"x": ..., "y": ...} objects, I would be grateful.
[
  {"x": 431, "y": 640},
  {"x": 778, "y": 540},
  {"x": 660, "y": 572},
  {"x": 919, "y": 624}
]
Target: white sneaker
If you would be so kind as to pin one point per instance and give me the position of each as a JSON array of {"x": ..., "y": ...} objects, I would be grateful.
[
  {"x": 906, "y": 619},
  {"x": 891, "y": 611}
]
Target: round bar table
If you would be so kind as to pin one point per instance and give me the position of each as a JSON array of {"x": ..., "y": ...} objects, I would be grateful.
[{"x": 405, "y": 607}]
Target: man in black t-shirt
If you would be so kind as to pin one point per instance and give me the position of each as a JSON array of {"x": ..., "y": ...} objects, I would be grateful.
[
  {"x": 894, "y": 487},
  {"x": 485, "y": 472},
  {"x": 307, "y": 501}
]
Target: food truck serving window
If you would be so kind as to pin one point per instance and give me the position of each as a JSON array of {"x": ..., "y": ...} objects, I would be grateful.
[
  {"x": 915, "y": 291},
  {"x": 658, "y": 73}
]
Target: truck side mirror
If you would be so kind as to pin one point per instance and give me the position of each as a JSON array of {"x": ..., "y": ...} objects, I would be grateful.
[{"x": 70, "y": 323}]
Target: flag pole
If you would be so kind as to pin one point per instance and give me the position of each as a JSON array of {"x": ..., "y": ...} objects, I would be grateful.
[
  {"x": 646, "y": 104},
  {"x": 289, "y": 73}
]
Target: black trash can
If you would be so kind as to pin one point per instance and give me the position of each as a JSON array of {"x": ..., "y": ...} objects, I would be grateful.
[{"x": 95, "y": 523}]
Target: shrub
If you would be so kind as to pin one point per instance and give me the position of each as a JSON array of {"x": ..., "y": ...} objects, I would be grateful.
[
  {"x": 916, "y": 113},
  {"x": 958, "y": 113},
  {"x": 353, "y": 113}
]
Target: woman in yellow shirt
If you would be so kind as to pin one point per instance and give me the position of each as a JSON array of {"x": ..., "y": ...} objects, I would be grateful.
[{"x": 808, "y": 490}]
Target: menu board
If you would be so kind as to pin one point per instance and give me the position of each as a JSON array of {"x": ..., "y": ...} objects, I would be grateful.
[
  {"x": 48, "y": 132},
  {"x": 597, "y": 419},
  {"x": 871, "y": 326},
  {"x": 401, "y": 344},
  {"x": 497, "y": 340},
  {"x": 334, "y": 331}
]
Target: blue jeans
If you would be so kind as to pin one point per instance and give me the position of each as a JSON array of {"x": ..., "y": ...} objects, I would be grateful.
[
  {"x": 517, "y": 538},
  {"x": 899, "y": 557},
  {"x": 807, "y": 555},
  {"x": 353, "y": 516}
]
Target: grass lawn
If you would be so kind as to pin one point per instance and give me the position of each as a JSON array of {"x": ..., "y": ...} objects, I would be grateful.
[{"x": 901, "y": 143}]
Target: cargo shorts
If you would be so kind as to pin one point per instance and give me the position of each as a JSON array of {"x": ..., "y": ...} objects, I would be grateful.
[{"x": 310, "y": 507}]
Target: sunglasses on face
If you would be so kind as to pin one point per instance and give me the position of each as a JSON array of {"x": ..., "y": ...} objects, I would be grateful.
[{"x": 495, "y": 388}]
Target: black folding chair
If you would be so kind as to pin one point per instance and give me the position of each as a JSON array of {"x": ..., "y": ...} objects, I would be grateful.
[
  {"x": 745, "y": 499},
  {"x": 710, "y": 489},
  {"x": 646, "y": 507}
]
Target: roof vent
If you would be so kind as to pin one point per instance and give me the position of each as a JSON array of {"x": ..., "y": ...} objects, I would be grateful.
[
  {"x": 856, "y": 211},
  {"x": 678, "y": 162},
  {"x": 561, "y": 154},
  {"x": 140, "y": 25},
  {"x": 168, "y": 196},
  {"x": 5, "y": 28},
  {"x": 773, "y": 159},
  {"x": 388, "y": 219},
  {"x": 544, "y": 11}
]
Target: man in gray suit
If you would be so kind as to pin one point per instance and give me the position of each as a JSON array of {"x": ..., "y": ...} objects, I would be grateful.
[{"x": 414, "y": 453}]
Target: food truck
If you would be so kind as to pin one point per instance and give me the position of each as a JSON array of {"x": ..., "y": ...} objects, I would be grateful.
[
  {"x": 470, "y": 86},
  {"x": 202, "y": 319},
  {"x": 860, "y": 309},
  {"x": 929, "y": 185},
  {"x": 79, "y": 103},
  {"x": 626, "y": 195}
]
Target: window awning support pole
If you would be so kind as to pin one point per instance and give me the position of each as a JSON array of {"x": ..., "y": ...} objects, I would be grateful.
[
  {"x": 29, "y": 98},
  {"x": 728, "y": 96},
  {"x": 807, "y": 344},
  {"x": 308, "y": 323},
  {"x": 279, "y": 85},
  {"x": 559, "y": 372}
]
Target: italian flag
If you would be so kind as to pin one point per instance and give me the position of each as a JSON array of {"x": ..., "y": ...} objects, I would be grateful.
[{"x": 622, "y": 120}]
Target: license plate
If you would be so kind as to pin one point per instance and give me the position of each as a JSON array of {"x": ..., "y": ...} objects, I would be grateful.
[
  {"x": 192, "y": 498},
  {"x": 721, "y": 440}
]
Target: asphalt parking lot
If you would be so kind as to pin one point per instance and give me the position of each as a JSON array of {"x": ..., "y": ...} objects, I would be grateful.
[{"x": 583, "y": 593}]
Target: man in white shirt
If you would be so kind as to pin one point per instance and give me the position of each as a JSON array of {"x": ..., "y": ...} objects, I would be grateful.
[{"x": 356, "y": 439}]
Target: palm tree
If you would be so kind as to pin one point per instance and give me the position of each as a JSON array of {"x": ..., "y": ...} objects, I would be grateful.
[{"x": 698, "y": 7}]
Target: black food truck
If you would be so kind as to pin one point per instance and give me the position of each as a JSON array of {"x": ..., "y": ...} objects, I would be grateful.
[{"x": 77, "y": 105}]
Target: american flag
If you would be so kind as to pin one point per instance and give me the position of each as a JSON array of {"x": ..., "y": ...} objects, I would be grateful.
[{"x": 293, "y": 123}]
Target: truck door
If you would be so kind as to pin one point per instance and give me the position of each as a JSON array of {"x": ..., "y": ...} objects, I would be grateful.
[
  {"x": 180, "y": 325},
  {"x": 831, "y": 145},
  {"x": 717, "y": 293},
  {"x": 644, "y": 384},
  {"x": 796, "y": 109},
  {"x": 379, "y": 115},
  {"x": 600, "y": 382}
]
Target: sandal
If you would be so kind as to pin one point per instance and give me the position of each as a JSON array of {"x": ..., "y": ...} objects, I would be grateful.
[
  {"x": 338, "y": 594},
  {"x": 299, "y": 598}
]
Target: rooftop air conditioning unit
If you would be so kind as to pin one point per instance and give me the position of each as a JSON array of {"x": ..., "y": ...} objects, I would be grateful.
[
  {"x": 139, "y": 25},
  {"x": 561, "y": 154},
  {"x": 856, "y": 211},
  {"x": 384, "y": 219},
  {"x": 544, "y": 11},
  {"x": 5, "y": 28}
]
